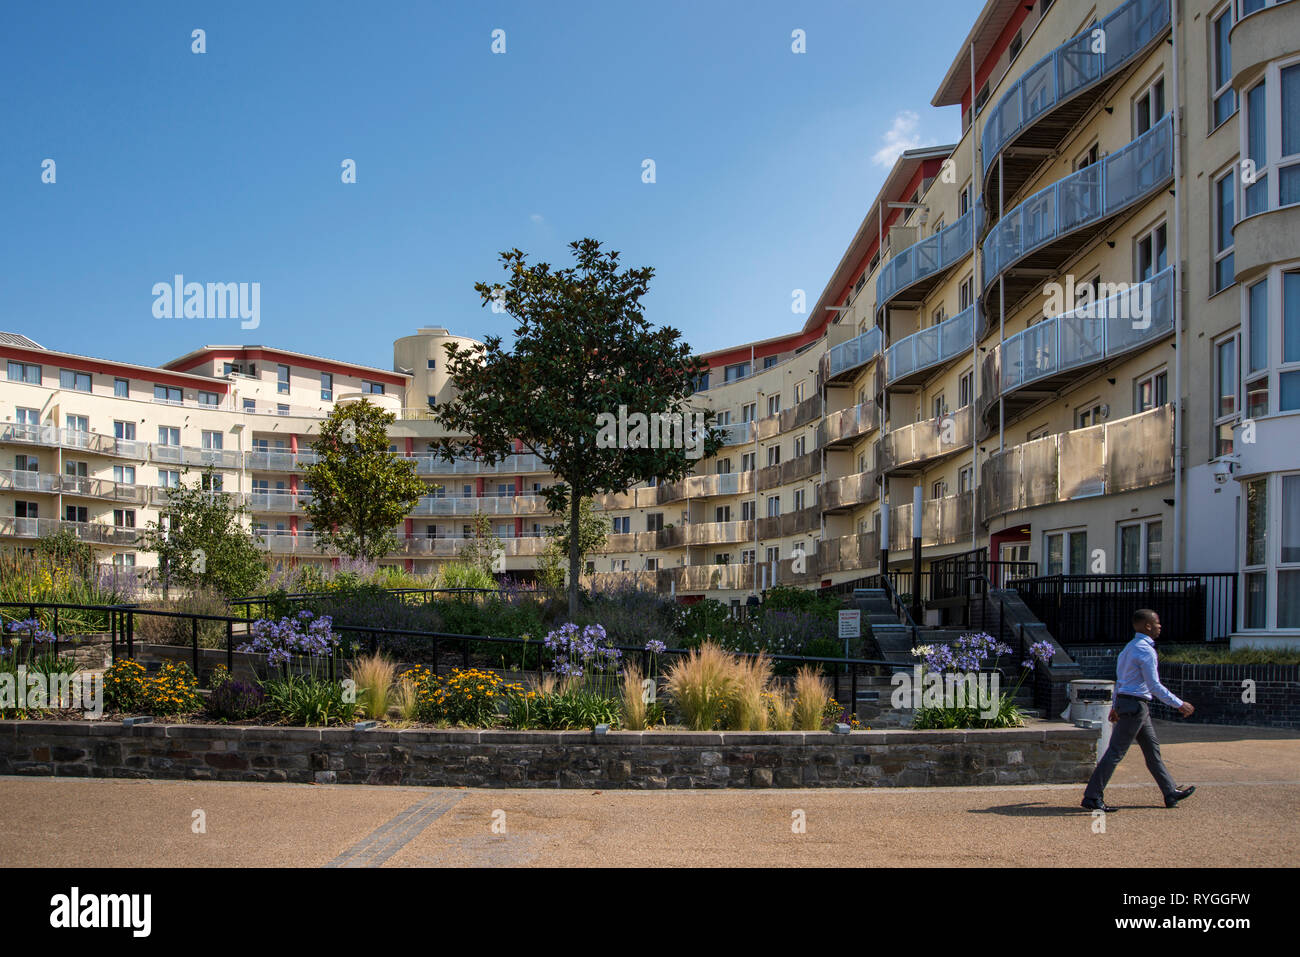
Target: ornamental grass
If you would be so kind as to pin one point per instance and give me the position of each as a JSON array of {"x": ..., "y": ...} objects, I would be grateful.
[
  {"x": 702, "y": 685},
  {"x": 812, "y": 693},
  {"x": 374, "y": 677}
]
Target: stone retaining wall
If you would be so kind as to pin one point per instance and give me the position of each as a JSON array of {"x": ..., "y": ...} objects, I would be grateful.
[{"x": 549, "y": 759}]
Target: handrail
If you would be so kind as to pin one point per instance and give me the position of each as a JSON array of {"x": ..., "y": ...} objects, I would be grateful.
[
  {"x": 925, "y": 348},
  {"x": 926, "y": 257}
]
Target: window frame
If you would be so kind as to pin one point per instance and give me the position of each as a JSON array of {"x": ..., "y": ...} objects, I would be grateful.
[
  {"x": 1225, "y": 254},
  {"x": 1224, "y": 89}
]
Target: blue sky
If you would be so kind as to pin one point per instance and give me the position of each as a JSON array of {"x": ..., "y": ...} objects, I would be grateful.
[{"x": 225, "y": 166}]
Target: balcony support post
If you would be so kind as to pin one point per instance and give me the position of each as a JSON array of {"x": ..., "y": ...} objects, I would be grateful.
[{"x": 917, "y": 504}]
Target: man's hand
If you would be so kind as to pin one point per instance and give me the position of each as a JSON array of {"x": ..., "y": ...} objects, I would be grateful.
[
  {"x": 1114, "y": 715},
  {"x": 1186, "y": 710}
]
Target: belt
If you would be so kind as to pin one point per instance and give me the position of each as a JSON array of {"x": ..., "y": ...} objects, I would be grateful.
[{"x": 1135, "y": 697}]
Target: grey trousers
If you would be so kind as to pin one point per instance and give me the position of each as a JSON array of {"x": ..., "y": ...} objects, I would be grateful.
[{"x": 1134, "y": 722}]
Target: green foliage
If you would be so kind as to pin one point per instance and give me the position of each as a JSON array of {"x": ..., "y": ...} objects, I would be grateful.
[
  {"x": 464, "y": 575},
  {"x": 581, "y": 349},
  {"x": 789, "y": 598},
  {"x": 944, "y": 718},
  {"x": 173, "y": 690},
  {"x": 205, "y": 545},
  {"x": 360, "y": 491},
  {"x": 593, "y": 533},
  {"x": 483, "y": 552},
  {"x": 166, "y": 630},
  {"x": 561, "y": 710},
  {"x": 1201, "y": 655},
  {"x": 308, "y": 700},
  {"x": 64, "y": 548}
]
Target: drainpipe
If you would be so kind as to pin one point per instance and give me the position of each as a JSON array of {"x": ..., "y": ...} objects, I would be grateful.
[
  {"x": 1179, "y": 510},
  {"x": 977, "y": 176},
  {"x": 1002, "y": 318}
]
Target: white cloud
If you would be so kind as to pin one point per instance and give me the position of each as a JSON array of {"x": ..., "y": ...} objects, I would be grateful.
[
  {"x": 902, "y": 135},
  {"x": 537, "y": 218}
]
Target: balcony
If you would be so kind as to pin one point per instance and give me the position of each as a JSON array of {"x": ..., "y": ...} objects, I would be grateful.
[
  {"x": 262, "y": 500},
  {"x": 787, "y": 420},
  {"x": 450, "y": 546},
  {"x": 791, "y": 523},
  {"x": 917, "y": 269},
  {"x": 691, "y": 578},
  {"x": 846, "y": 426},
  {"x": 739, "y": 433},
  {"x": 840, "y": 361},
  {"x": 1038, "y": 362},
  {"x": 638, "y": 541},
  {"x": 944, "y": 521},
  {"x": 278, "y": 460},
  {"x": 911, "y": 360},
  {"x": 120, "y": 492},
  {"x": 705, "y": 486},
  {"x": 1047, "y": 229},
  {"x": 214, "y": 458},
  {"x": 486, "y": 505},
  {"x": 851, "y": 491},
  {"x": 793, "y": 470},
  {"x": 287, "y": 543},
  {"x": 96, "y": 533},
  {"x": 909, "y": 449},
  {"x": 711, "y": 533},
  {"x": 646, "y": 497},
  {"x": 848, "y": 553},
  {"x": 1131, "y": 453},
  {"x": 513, "y": 464},
  {"x": 21, "y": 480},
  {"x": 1041, "y": 109}
]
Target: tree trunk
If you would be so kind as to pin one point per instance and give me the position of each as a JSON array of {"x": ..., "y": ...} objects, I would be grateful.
[{"x": 575, "y": 505}]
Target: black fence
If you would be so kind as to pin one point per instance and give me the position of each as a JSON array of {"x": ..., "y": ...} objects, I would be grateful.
[
  {"x": 259, "y": 606},
  {"x": 1097, "y": 609}
]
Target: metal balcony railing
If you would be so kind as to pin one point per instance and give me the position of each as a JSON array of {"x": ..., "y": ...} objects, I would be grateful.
[
  {"x": 97, "y": 533},
  {"x": 737, "y": 433},
  {"x": 87, "y": 487},
  {"x": 1130, "y": 453},
  {"x": 1088, "y": 196},
  {"x": 944, "y": 521},
  {"x": 928, "y": 257},
  {"x": 21, "y": 480},
  {"x": 849, "y": 491},
  {"x": 703, "y": 486},
  {"x": 849, "y": 355},
  {"x": 927, "y": 440},
  {"x": 516, "y": 463},
  {"x": 486, "y": 505},
  {"x": 1128, "y": 320},
  {"x": 931, "y": 347},
  {"x": 847, "y": 424},
  {"x": 1070, "y": 69}
]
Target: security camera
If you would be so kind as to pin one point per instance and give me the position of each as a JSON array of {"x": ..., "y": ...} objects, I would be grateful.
[{"x": 1222, "y": 470}]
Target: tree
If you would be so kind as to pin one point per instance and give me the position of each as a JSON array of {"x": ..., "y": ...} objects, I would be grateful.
[
  {"x": 483, "y": 550},
  {"x": 360, "y": 490},
  {"x": 203, "y": 541},
  {"x": 593, "y": 532},
  {"x": 583, "y": 353}
]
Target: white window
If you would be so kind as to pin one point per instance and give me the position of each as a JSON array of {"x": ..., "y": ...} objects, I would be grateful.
[
  {"x": 966, "y": 293},
  {"x": 739, "y": 370},
  {"x": 722, "y": 513},
  {"x": 966, "y": 389},
  {"x": 1066, "y": 552},
  {"x": 774, "y": 455},
  {"x": 1224, "y": 218},
  {"x": 282, "y": 379},
  {"x": 798, "y": 499},
  {"x": 965, "y": 479},
  {"x": 722, "y": 466},
  {"x": 773, "y": 506},
  {"x": 327, "y": 386},
  {"x": 77, "y": 423},
  {"x": 746, "y": 511},
  {"x": 124, "y": 474},
  {"x": 124, "y": 517},
  {"x": 372, "y": 388},
  {"x": 1270, "y": 140},
  {"x": 1152, "y": 253},
  {"x": 169, "y": 478},
  {"x": 773, "y": 404},
  {"x": 773, "y": 554},
  {"x": 124, "y": 431},
  {"x": 169, "y": 435},
  {"x": 1139, "y": 547},
  {"x": 1149, "y": 106},
  {"x": 122, "y": 388},
  {"x": 28, "y": 372},
  {"x": 799, "y": 388},
  {"x": 209, "y": 398},
  {"x": 1150, "y": 390},
  {"x": 749, "y": 412},
  {"x": 939, "y": 489},
  {"x": 1088, "y": 415},
  {"x": 77, "y": 381},
  {"x": 76, "y": 513},
  {"x": 652, "y": 564},
  {"x": 747, "y": 557},
  {"x": 1226, "y": 393},
  {"x": 213, "y": 440},
  {"x": 124, "y": 559},
  {"x": 168, "y": 394},
  {"x": 1223, "y": 99},
  {"x": 747, "y": 461}
]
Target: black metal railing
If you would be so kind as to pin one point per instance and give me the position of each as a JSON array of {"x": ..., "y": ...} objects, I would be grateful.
[{"x": 1097, "y": 609}]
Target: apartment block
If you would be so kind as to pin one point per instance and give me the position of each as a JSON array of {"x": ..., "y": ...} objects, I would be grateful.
[{"x": 1069, "y": 341}]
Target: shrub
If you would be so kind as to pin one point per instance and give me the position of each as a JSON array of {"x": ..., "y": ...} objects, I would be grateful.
[
  {"x": 811, "y": 696},
  {"x": 166, "y": 630},
  {"x": 566, "y": 707},
  {"x": 235, "y": 700},
  {"x": 124, "y": 685},
  {"x": 374, "y": 677},
  {"x": 308, "y": 700},
  {"x": 173, "y": 690},
  {"x": 465, "y": 575},
  {"x": 473, "y": 698},
  {"x": 701, "y": 684}
]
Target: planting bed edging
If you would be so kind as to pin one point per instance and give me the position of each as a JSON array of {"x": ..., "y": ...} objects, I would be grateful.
[{"x": 1046, "y": 753}]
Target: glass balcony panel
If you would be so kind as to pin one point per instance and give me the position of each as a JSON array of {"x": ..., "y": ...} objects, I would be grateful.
[
  {"x": 1083, "y": 339},
  {"x": 1039, "y": 86},
  {"x": 1139, "y": 450},
  {"x": 1039, "y": 351}
]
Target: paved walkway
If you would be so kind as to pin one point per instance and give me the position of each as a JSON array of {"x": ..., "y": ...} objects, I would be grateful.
[{"x": 1246, "y": 812}]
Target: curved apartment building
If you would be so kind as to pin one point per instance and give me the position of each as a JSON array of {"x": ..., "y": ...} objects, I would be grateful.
[{"x": 1076, "y": 331}]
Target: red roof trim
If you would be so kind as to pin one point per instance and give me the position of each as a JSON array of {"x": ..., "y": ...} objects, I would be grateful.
[
  {"x": 106, "y": 367},
  {"x": 319, "y": 365}
]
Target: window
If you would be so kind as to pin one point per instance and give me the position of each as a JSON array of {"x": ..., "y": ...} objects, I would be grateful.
[
  {"x": 963, "y": 200},
  {"x": 738, "y": 371},
  {"x": 1289, "y": 122},
  {"x": 1152, "y": 253},
  {"x": 1088, "y": 157},
  {"x": 938, "y": 316},
  {"x": 938, "y": 407},
  {"x": 212, "y": 439},
  {"x": 1139, "y": 547},
  {"x": 26, "y": 510},
  {"x": 432, "y": 401},
  {"x": 966, "y": 389},
  {"x": 965, "y": 479},
  {"x": 774, "y": 455},
  {"x": 1088, "y": 415},
  {"x": 723, "y": 466},
  {"x": 773, "y": 404},
  {"x": 76, "y": 513},
  {"x": 124, "y": 517},
  {"x": 622, "y": 524},
  {"x": 77, "y": 423},
  {"x": 327, "y": 386},
  {"x": 124, "y": 560},
  {"x": 1256, "y": 192},
  {"x": 939, "y": 489},
  {"x": 654, "y": 522},
  {"x": 27, "y": 463},
  {"x": 124, "y": 474},
  {"x": 168, "y": 394},
  {"x": 773, "y": 554},
  {"x": 281, "y": 409},
  {"x": 124, "y": 431},
  {"x": 169, "y": 435},
  {"x": 75, "y": 469},
  {"x": 749, "y": 412},
  {"x": 773, "y": 506},
  {"x": 652, "y": 564},
  {"x": 746, "y": 511},
  {"x": 25, "y": 372},
  {"x": 282, "y": 379},
  {"x": 1288, "y": 390},
  {"x": 1013, "y": 50},
  {"x": 981, "y": 98},
  {"x": 1223, "y": 98},
  {"x": 209, "y": 398},
  {"x": 1150, "y": 391},
  {"x": 250, "y": 405},
  {"x": 723, "y": 418},
  {"x": 618, "y": 564},
  {"x": 966, "y": 293},
  {"x": 169, "y": 478},
  {"x": 799, "y": 392},
  {"x": 122, "y": 388},
  {"x": 722, "y": 514},
  {"x": 800, "y": 446},
  {"x": 769, "y": 361},
  {"x": 372, "y": 388},
  {"x": 798, "y": 500},
  {"x": 431, "y": 364},
  {"x": 1066, "y": 552},
  {"x": 747, "y": 557},
  {"x": 77, "y": 381},
  {"x": 1288, "y": 578},
  {"x": 1224, "y": 220},
  {"x": 1149, "y": 107},
  {"x": 1256, "y": 571}
]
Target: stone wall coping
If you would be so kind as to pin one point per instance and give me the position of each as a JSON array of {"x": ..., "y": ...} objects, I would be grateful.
[{"x": 327, "y": 737}]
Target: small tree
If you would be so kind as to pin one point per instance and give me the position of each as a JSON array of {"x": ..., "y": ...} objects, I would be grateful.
[
  {"x": 204, "y": 543},
  {"x": 582, "y": 352},
  {"x": 65, "y": 549},
  {"x": 483, "y": 549},
  {"x": 360, "y": 490},
  {"x": 593, "y": 533}
]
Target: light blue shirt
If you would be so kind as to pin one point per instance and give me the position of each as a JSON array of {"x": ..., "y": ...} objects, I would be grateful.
[{"x": 1137, "y": 673}]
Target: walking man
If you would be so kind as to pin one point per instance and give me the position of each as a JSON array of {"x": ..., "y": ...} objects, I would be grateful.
[{"x": 1137, "y": 678}]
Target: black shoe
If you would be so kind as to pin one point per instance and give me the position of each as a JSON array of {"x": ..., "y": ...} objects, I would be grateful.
[
  {"x": 1090, "y": 804},
  {"x": 1172, "y": 799}
]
